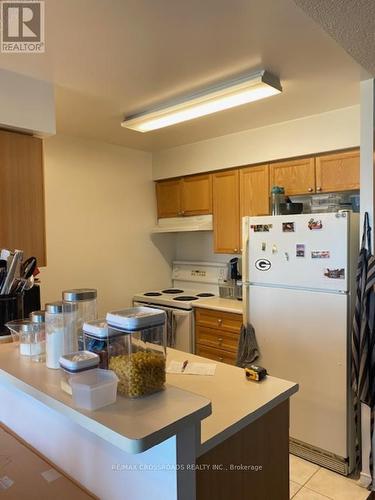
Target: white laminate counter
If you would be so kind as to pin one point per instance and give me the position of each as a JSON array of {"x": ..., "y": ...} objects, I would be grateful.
[
  {"x": 133, "y": 426},
  {"x": 108, "y": 450},
  {"x": 236, "y": 401},
  {"x": 220, "y": 304}
]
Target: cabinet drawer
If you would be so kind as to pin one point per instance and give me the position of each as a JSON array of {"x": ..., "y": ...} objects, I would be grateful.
[
  {"x": 218, "y": 320},
  {"x": 219, "y": 339},
  {"x": 215, "y": 354}
]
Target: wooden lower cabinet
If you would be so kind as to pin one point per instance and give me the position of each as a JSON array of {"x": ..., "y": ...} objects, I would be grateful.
[
  {"x": 216, "y": 354},
  {"x": 252, "y": 464},
  {"x": 217, "y": 335}
]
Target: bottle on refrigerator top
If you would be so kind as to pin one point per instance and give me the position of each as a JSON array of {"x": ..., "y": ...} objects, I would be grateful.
[
  {"x": 277, "y": 197},
  {"x": 55, "y": 333},
  {"x": 79, "y": 306}
]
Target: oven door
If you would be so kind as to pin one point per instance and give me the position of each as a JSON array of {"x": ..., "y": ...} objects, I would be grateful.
[{"x": 184, "y": 325}]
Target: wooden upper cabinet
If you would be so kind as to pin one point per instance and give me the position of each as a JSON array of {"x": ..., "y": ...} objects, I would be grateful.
[
  {"x": 22, "y": 212},
  {"x": 168, "y": 195},
  {"x": 254, "y": 190},
  {"x": 226, "y": 211},
  {"x": 197, "y": 195},
  {"x": 337, "y": 172},
  {"x": 190, "y": 195},
  {"x": 295, "y": 176}
]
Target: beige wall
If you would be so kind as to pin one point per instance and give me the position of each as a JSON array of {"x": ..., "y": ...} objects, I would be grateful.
[
  {"x": 337, "y": 129},
  {"x": 99, "y": 210}
]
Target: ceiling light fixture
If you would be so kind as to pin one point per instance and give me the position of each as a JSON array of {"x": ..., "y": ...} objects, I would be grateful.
[{"x": 248, "y": 88}]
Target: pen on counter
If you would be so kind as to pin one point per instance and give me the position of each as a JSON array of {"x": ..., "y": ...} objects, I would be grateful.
[{"x": 184, "y": 365}]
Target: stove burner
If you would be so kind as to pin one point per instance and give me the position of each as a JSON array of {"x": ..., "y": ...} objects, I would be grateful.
[
  {"x": 205, "y": 294},
  {"x": 152, "y": 294},
  {"x": 173, "y": 290},
  {"x": 185, "y": 298}
]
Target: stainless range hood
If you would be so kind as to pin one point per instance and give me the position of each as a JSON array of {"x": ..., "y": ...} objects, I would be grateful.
[{"x": 183, "y": 224}]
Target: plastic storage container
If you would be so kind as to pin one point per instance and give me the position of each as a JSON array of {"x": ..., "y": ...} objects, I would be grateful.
[
  {"x": 103, "y": 342},
  {"x": 79, "y": 306},
  {"x": 55, "y": 333},
  {"x": 31, "y": 338},
  {"x": 136, "y": 350},
  {"x": 94, "y": 389},
  {"x": 38, "y": 319},
  {"x": 74, "y": 364}
]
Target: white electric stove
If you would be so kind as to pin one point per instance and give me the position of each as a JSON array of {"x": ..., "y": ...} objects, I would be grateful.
[{"x": 191, "y": 281}]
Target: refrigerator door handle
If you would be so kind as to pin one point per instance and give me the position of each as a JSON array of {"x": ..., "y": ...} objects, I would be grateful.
[
  {"x": 245, "y": 249},
  {"x": 245, "y": 269}
]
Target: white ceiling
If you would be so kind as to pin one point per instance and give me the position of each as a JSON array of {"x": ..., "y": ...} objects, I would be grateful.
[
  {"x": 351, "y": 23},
  {"x": 115, "y": 57}
]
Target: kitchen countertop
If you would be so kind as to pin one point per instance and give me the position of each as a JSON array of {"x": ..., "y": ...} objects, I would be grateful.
[
  {"x": 236, "y": 401},
  {"x": 136, "y": 425},
  {"x": 132, "y": 425},
  {"x": 220, "y": 304}
]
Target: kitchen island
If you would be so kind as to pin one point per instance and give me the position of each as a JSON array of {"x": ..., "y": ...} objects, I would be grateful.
[{"x": 203, "y": 436}]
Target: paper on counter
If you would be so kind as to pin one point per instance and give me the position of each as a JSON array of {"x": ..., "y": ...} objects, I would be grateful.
[{"x": 192, "y": 368}]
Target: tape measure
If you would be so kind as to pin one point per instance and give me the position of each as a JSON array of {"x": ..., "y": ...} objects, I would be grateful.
[{"x": 255, "y": 372}]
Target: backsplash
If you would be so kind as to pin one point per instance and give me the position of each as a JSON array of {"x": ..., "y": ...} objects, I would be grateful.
[{"x": 328, "y": 202}]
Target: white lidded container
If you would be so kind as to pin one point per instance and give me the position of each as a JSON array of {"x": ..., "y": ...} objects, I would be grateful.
[
  {"x": 136, "y": 350},
  {"x": 74, "y": 364},
  {"x": 94, "y": 389}
]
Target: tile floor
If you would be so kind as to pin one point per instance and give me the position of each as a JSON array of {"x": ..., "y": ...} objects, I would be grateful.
[{"x": 311, "y": 482}]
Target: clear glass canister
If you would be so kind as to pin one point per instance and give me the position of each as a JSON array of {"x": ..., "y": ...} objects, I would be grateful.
[
  {"x": 55, "y": 333},
  {"x": 140, "y": 367},
  {"x": 38, "y": 319},
  {"x": 79, "y": 306},
  {"x": 30, "y": 336}
]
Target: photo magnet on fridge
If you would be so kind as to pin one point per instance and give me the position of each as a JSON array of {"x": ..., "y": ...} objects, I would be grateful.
[
  {"x": 321, "y": 254},
  {"x": 261, "y": 228},
  {"x": 300, "y": 250},
  {"x": 337, "y": 274},
  {"x": 288, "y": 227},
  {"x": 314, "y": 224}
]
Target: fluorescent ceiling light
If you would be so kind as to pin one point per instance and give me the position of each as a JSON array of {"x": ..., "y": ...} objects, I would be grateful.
[{"x": 227, "y": 95}]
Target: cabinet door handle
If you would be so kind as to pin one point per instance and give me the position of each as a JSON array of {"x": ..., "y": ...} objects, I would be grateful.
[
  {"x": 235, "y": 250},
  {"x": 220, "y": 340},
  {"x": 219, "y": 321},
  {"x": 319, "y": 188},
  {"x": 310, "y": 190},
  {"x": 221, "y": 359}
]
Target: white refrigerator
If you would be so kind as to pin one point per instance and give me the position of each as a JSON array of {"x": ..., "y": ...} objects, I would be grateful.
[{"x": 299, "y": 289}]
